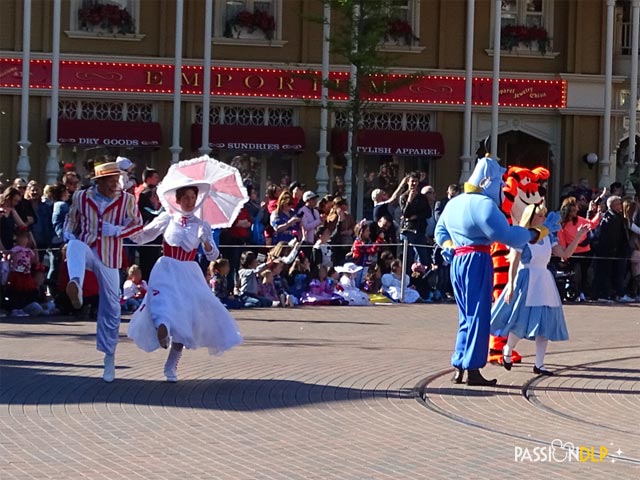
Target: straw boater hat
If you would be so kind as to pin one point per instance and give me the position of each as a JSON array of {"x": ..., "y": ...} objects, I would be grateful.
[{"x": 106, "y": 170}]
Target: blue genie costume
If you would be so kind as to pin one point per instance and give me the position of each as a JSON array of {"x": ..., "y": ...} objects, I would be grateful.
[{"x": 466, "y": 229}]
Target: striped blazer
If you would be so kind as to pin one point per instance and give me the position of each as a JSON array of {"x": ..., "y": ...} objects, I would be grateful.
[{"x": 85, "y": 221}]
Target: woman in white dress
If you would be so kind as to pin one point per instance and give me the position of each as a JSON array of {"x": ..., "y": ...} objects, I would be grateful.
[
  {"x": 392, "y": 284},
  {"x": 179, "y": 308},
  {"x": 530, "y": 306},
  {"x": 347, "y": 286}
]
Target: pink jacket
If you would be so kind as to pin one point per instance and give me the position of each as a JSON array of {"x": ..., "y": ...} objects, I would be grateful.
[{"x": 569, "y": 230}]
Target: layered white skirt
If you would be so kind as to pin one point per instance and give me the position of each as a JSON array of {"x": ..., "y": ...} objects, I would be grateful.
[{"x": 179, "y": 297}]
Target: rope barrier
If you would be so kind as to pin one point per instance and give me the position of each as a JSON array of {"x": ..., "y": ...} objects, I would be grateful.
[{"x": 341, "y": 245}]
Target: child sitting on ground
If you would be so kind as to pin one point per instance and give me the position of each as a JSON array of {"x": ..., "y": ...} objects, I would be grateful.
[
  {"x": 218, "y": 271},
  {"x": 392, "y": 284},
  {"x": 347, "y": 288},
  {"x": 322, "y": 290},
  {"x": 42, "y": 305},
  {"x": 133, "y": 290},
  {"x": 268, "y": 290},
  {"x": 249, "y": 280}
]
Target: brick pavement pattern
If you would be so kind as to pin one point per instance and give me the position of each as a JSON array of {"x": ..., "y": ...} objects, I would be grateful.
[{"x": 319, "y": 393}]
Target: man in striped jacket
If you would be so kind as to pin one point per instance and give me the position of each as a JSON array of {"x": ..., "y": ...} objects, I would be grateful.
[{"x": 99, "y": 218}]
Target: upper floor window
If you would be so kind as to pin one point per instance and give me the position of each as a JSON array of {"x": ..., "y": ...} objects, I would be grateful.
[
  {"x": 100, "y": 18},
  {"x": 248, "y": 20},
  {"x": 526, "y": 25},
  {"x": 395, "y": 121},
  {"x": 248, "y": 116},
  {"x": 98, "y": 110},
  {"x": 404, "y": 23}
]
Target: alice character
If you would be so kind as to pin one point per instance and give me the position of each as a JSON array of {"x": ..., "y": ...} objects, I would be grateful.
[{"x": 530, "y": 305}]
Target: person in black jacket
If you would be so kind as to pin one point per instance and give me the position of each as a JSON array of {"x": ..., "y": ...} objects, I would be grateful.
[
  {"x": 452, "y": 191},
  {"x": 612, "y": 249},
  {"x": 415, "y": 212}
]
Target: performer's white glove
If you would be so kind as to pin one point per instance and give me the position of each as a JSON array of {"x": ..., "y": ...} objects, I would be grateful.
[
  {"x": 110, "y": 230},
  {"x": 204, "y": 233},
  {"x": 68, "y": 236}
]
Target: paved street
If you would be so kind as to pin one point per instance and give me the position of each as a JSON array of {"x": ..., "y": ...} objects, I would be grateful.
[{"x": 321, "y": 393}]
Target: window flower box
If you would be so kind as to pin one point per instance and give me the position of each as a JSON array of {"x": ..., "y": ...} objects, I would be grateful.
[
  {"x": 522, "y": 37},
  {"x": 400, "y": 32},
  {"x": 106, "y": 18},
  {"x": 251, "y": 25}
]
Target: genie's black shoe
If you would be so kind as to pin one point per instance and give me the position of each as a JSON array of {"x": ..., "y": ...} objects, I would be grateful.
[
  {"x": 542, "y": 371},
  {"x": 457, "y": 376},
  {"x": 475, "y": 379}
]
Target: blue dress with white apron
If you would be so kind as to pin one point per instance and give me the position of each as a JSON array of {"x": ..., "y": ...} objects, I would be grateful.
[{"x": 536, "y": 307}]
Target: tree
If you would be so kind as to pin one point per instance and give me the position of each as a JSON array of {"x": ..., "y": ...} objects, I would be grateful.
[{"x": 357, "y": 36}]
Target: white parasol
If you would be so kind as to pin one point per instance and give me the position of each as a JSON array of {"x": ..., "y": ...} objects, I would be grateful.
[{"x": 221, "y": 194}]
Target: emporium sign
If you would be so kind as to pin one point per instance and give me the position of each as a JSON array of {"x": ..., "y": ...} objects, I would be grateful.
[{"x": 280, "y": 83}]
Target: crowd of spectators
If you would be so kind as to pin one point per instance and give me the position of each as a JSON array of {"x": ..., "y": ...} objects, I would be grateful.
[{"x": 292, "y": 247}]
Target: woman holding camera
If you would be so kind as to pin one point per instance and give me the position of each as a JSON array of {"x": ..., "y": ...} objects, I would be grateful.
[
  {"x": 284, "y": 220},
  {"x": 571, "y": 223}
]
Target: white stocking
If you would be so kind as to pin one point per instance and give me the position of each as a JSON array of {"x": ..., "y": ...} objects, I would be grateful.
[
  {"x": 541, "y": 349},
  {"x": 512, "y": 341}
]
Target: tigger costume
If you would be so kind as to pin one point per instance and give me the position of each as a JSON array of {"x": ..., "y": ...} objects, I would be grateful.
[{"x": 522, "y": 187}]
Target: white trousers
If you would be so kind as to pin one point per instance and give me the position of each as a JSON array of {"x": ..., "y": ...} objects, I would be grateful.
[{"x": 80, "y": 258}]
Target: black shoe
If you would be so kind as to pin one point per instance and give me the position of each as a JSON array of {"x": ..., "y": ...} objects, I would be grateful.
[
  {"x": 506, "y": 364},
  {"x": 542, "y": 371},
  {"x": 475, "y": 378},
  {"x": 163, "y": 336},
  {"x": 457, "y": 376}
]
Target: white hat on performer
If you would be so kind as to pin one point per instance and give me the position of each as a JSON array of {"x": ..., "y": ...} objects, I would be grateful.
[
  {"x": 348, "y": 267},
  {"x": 124, "y": 163}
]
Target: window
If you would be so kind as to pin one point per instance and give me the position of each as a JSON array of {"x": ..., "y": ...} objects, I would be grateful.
[
  {"x": 404, "y": 25},
  {"x": 395, "y": 121},
  {"x": 248, "y": 21},
  {"x": 526, "y": 25},
  {"x": 105, "y": 18},
  {"x": 251, "y": 116},
  {"x": 97, "y": 110}
]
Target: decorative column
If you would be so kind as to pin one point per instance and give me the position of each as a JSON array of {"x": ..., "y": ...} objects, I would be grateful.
[
  {"x": 605, "y": 164},
  {"x": 177, "y": 84},
  {"x": 322, "y": 175},
  {"x": 466, "y": 158},
  {"x": 206, "y": 81},
  {"x": 495, "y": 97},
  {"x": 53, "y": 167},
  {"x": 24, "y": 166},
  {"x": 630, "y": 164},
  {"x": 353, "y": 85}
]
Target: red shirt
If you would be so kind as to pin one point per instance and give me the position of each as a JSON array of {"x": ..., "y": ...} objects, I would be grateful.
[{"x": 242, "y": 233}]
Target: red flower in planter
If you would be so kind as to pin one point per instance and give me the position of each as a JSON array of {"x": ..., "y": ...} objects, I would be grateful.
[
  {"x": 260, "y": 20},
  {"x": 400, "y": 30},
  {"x": 512, "y": 35}
]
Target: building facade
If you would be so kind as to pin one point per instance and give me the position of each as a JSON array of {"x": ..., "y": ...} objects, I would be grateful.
[{"x": 118, "y": 62}]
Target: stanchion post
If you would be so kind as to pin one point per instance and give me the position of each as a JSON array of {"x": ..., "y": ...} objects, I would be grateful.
[{"x": 403, "y": 283}]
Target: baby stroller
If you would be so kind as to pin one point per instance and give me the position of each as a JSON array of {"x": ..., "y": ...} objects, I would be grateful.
[{"x": 565, "y": 280}]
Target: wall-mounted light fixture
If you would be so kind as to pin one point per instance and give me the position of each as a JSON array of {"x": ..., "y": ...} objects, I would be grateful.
[{"x": 590, "y": 159}]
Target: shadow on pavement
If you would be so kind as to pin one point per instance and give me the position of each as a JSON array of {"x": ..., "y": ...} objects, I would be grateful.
[{"x": 46, "y": 383}]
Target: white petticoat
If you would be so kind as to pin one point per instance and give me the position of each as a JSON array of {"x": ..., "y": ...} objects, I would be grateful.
[{"x": 179, "y": 297}]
